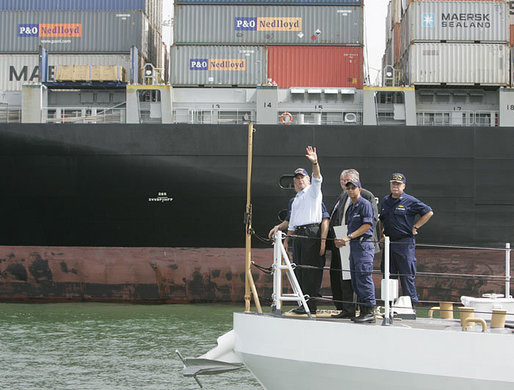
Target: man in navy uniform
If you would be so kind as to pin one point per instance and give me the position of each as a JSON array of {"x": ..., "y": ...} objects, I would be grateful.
[
  {"x": 340, "y": 282},
  {"x": 397, "y": 220},
  {"x": 360, "y": 218}
]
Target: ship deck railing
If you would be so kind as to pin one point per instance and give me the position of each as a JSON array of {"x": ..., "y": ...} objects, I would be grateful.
[
  {"x": 80, "y": 114},
  {"x": 283, "y": 267},
  {"x": 464, "y": 118},
  {"x": 9, "y": 114}
]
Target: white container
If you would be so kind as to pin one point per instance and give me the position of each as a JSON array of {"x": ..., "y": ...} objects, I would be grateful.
[
  {"x": 462, "y": 21},
  {"x": 19, "y": 69},
  {"x": 456, "y": 64}
]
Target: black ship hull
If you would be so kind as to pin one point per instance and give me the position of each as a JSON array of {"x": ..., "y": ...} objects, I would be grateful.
[{"x": 184, "y": 186}]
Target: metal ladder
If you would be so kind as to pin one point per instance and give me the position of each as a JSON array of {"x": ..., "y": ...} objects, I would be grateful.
[{"x": 281, "y": 263}]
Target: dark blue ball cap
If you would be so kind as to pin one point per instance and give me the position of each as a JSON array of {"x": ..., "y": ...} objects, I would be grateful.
[
  {"x": 301, "y": 171},
  {"x": 398, "y": 177},
  {"x": 356, "y": 183}
]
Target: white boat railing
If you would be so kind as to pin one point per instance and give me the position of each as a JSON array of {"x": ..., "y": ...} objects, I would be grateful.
[
  {"x": 389, "y": 286},
  {"x": 507, "y": 270}
]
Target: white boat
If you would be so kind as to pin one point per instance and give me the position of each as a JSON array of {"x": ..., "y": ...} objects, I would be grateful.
[
  {"x": 307, "y": 352},
  {"x": 289, "y": 353}
]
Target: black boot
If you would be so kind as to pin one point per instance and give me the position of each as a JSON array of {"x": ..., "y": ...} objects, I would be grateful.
[
  {"x": 367, "y": 315},
  {"x": 343, "y": 314}
]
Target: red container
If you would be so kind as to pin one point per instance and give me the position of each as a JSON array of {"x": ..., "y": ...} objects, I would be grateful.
[
  {"x": 315, "y": 66},
  {"x": 512, "y": 34},
  {"x": 397, "y": 39}
]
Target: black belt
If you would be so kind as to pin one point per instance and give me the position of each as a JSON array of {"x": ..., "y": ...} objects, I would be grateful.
[
  {"x": 399, "y": 238},
  {"x": 361, "y": 238},
  {"x": 303, "y": 227}
]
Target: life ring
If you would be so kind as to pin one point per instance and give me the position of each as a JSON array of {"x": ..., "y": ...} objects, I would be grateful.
[{"x": 286, "y": 118}]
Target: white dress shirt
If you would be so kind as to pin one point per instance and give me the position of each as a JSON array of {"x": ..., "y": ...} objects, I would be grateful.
[{"x": 306, "y": 207}]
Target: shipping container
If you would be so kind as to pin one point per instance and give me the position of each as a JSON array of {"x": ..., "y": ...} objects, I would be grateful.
[
  {"x": 389, "y": 20},
  {"x": 398, "y": 8},
  {"x": 270, "y": 2},
  {"x": 19, "y": 69},
  {"x": 73, "y": 32},
  {"x": 79, "y": 5},
  {"x": 268, "y": 25},
  {"x": 511, "y": 34},
  {"x": 457, "y": 64},
  {"x": 218, "y": 65},
  {"x": 462, "y": 21},
  {"x": 397, "y": 42},
  {"x": 388, "y": 58},
  {"x": 408, "y": 2},
  {"x": 314, "y": 66}
]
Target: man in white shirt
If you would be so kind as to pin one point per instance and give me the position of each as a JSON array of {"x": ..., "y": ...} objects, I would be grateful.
[{"x": 306, "y": 216}]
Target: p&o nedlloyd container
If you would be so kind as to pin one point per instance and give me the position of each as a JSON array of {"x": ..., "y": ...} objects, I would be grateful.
[
  {"x": 73, "y": 32},
  {"x": 152, "y": 9},
  {"x": 462, "y": 21},
  {"x": 218, "y": 65},
  {"x": 456, "y": 64},
  {"x": 268, "y": 25}
]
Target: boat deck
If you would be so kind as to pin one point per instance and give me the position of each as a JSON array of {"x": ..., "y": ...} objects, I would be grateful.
[{"x": 418, "y": 323}]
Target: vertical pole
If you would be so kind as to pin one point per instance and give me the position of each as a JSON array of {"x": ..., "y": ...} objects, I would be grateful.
[
  {"x": 249, "y": 283},
  {"x": 507, "y": 270},
  {"x": 387, "y": 315},
  {"x": 248, "y": 224}
]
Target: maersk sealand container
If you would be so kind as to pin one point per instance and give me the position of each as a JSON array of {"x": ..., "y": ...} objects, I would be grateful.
[
  {"x": 268, "y": 25},
  {"x": 74, "y": 32},
  {"x": 455, "y": 21}
]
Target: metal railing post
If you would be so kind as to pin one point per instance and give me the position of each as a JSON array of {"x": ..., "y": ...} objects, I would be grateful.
[
  {"x": 387, "y": 312},
  {"x": 507, "y": 270}
]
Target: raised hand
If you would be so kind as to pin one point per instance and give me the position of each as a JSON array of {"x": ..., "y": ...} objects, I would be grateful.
[{"x": 311, "y": 154}]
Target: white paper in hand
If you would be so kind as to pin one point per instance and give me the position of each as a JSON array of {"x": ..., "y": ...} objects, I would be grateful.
[{"x": 344, "y": 251}]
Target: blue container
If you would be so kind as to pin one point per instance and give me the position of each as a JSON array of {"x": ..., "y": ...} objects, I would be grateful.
[
  {"x": 270, "y": 2},
  {"x": 72, "y": 5}
]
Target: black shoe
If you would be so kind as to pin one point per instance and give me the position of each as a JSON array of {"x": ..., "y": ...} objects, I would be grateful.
[
  {"x": 367, "y": 315},
  {"x": 299, "y": 310},
  {"x": 343, "y": 314}
]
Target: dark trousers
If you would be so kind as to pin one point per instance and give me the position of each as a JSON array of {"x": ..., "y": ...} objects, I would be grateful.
[
  {"x": 306, "y": 252},
  {"x": 403, "y": 262},
  {"x": 361, "y": 264},
  {"x": 341, "y": 289}
]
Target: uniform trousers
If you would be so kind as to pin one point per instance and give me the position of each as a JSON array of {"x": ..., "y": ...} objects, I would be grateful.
[
  {"x": 403, "y": 262},
  {"x": 306, "y": 252},
  {"x": 361, "y": 266}
]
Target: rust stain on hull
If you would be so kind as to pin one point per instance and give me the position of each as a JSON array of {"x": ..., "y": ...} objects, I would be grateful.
[{"x": 185, "y": 275}]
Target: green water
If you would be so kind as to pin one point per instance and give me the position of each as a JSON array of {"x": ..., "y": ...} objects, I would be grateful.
[{"x": 111, "y": 346}]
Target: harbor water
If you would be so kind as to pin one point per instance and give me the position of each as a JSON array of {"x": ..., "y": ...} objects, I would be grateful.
[{"x": 111, "y": 346}]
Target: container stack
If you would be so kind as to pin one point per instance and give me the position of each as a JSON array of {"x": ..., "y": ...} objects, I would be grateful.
[
  {"x": 295, "y": 43},
  {"x": 76, "y": 32},
  {"x": 449, "y": 42}
]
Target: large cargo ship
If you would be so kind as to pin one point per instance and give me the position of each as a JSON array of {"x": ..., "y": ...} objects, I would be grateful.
[{"x": 138, "y": 194}]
